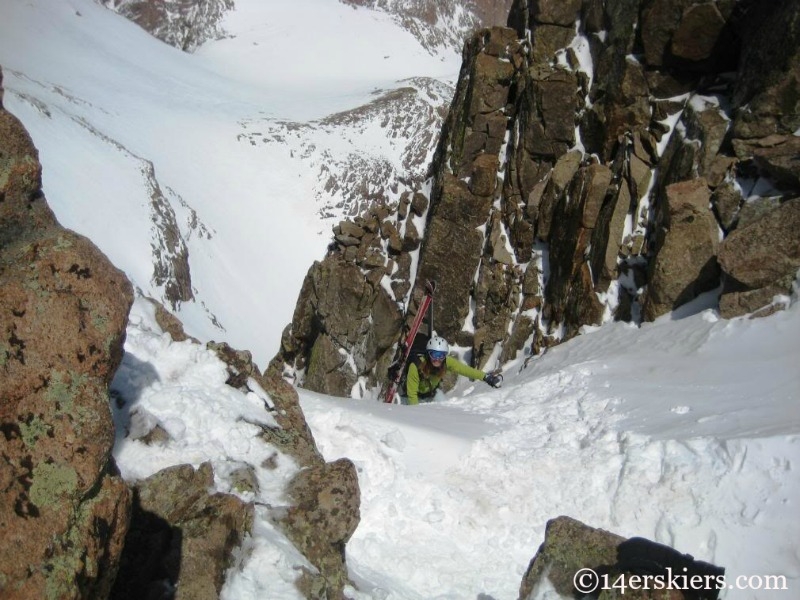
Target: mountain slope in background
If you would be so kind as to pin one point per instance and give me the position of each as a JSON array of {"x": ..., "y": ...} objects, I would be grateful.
[
  {"x": 185, "y": 168},
  {"x": 439, "y": 26}
]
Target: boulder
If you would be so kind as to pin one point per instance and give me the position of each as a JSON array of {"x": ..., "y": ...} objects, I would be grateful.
[
  {"x": 556, "y": 12},
  {"x": 483, "y": 181},
  {"x": 765, "y": 255},
  {"x": 323, "y": 515},
  {"x": 182, "y": 536},
  {"x": 685, "y": 33},
  {"x": 698, "y": 32},
  {"x": 576, "y": 560},
  {"x": 780, "y": 159}
]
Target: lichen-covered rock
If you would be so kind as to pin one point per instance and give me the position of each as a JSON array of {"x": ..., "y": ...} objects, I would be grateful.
[
  {"x": 294, "y": 435},
  {"x": 323, "y": 515},
  {"x": 63, "y": 313},
  {"x": 568, "y": 546},
  {"x": 577, "y": 561}
]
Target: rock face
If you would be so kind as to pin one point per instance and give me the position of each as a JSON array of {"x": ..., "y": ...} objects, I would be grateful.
[
  {"x": 63, "y": 311},
  {"x": 595, "y": 159},
  {"x": 761, "y": 260}
]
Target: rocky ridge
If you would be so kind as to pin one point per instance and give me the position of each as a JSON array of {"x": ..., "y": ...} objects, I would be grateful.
[
  {"x": 598, "y": 162},
  {"x": 440, "y": 25},
  {"x": 187, "y": 24}
]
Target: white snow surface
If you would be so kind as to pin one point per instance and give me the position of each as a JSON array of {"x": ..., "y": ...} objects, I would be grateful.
[{"x": 683, "y": 431}]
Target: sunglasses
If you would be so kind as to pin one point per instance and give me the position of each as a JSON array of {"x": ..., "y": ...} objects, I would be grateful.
[{"x": 437, "y": 355}]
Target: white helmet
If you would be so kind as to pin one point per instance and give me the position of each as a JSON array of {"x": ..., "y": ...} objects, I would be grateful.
[{"x": 437, "y": 344}]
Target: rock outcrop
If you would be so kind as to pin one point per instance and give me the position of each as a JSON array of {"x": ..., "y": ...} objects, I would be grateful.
[
  {"x": 64, "y": 511},
  {"x": 324, "y": 507},
  {"x": 441, "y": 24},
  {"x": 181, "y": 536},
  {"x": 596, "y": 158}
]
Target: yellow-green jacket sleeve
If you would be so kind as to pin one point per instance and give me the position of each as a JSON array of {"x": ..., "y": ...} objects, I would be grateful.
[{"x": 455, "y": 365}]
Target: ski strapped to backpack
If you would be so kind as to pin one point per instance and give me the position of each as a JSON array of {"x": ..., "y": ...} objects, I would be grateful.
[{"x": 398, "y": 367}]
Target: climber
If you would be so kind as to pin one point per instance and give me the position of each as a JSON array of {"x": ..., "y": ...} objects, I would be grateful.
[{"x": 426, "y": 370}]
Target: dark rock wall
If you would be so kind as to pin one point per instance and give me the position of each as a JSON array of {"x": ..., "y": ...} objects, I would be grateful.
[{"x": 596, "y": 160}]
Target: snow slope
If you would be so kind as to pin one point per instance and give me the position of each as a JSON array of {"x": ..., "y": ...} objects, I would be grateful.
[
  {"x": 119, "y": 118},
  {"x": 684, "y": 431}
]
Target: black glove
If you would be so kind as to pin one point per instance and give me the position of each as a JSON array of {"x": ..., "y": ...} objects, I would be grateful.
[{"x": 494, "y": 379}]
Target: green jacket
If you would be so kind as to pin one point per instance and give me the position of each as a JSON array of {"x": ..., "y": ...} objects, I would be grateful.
[{"x": 417, "y": 385}]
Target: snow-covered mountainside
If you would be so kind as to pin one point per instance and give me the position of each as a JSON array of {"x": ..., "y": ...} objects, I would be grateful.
[
  {"x": 440, "y": 24},
  {"x": 213, "y": 178},
  {"x": 455, "y": 495},
  {"x": 372, "y": 153},
  {"x": 355, "y": 168}
]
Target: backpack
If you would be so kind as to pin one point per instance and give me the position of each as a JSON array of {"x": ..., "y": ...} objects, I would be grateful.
[{"x": 418, "y": 349}]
